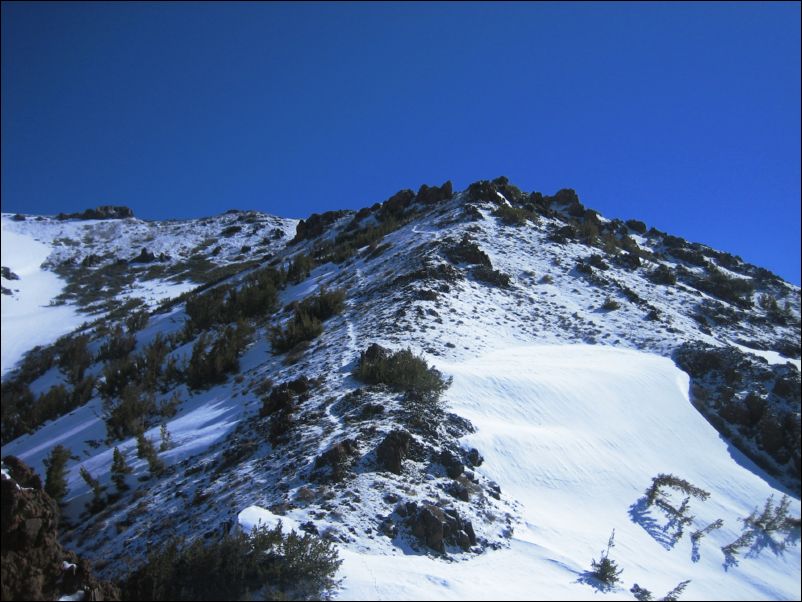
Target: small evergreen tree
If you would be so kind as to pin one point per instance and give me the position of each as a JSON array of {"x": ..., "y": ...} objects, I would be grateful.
[
  {"x": 55, "y": 479},
  {"x": 166, "y": 438},
  {"x": 119, "y": 469},
  {"x": 146, "y": 451},
  {"x": 675, "y": 593},
  {"x": 97, "y": 490},
  {"x": 606, "y": 570}
]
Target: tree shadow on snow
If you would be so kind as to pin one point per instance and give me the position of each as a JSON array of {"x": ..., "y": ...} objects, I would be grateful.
[
  {"x": 639, "y": 514},
  {"x": 600, "y": 587}
]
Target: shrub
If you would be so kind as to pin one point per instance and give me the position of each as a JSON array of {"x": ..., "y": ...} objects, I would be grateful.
[
  {"x": 636, "y": 226},
  {"x": 734, "y": 290},
  {"x": 117, "y": 346},
  {"x": 209, "y": 365},
  {"x": 130, "y": 415},
  {"x": 119, "y": 470},
  {"x": 267, "y": 564},
  {"x": 299, "y": 268},
  {"x": 514, "y": 216},
  {"x": 663, "y": 274},
  {"x": 97, "y": 502},
  {"x": 146, "y": 451},
  {"x": 307, "y": 321},
  {"x": 610, "y": 304},
  {"x": 671, "y": 481},
  {"x": 73, "y": 357},
  {"x": 606, "y": 570},
  {"x": 302, "y": 327},
  {"x": 401, "y": 371}
]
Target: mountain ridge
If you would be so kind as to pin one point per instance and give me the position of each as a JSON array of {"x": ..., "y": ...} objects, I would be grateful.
[{"x": 451, "y": 276}]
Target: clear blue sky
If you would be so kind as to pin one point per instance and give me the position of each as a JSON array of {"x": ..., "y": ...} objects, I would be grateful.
[{"x": 686, "y": 116}]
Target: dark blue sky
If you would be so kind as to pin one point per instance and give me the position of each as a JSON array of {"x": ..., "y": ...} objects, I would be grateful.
[{"x": 686, "y": 116}]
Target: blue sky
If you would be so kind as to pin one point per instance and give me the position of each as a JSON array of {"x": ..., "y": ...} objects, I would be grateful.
[{"x": 686, "y": 116}]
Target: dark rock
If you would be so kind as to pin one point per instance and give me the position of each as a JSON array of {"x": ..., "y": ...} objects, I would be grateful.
[
  {"x": 8, "y": 274},
  {"x": 474, "y": 457},
  {"x": 334, "y": 462},
  {"x": 102, "y": 212},
  {"x": 18, "y": 217},
  {"x": 427, "y": 525},
  {"x": 454, "y": 467},
  {"x": 392, "y": 450},
  {"x": 30, "y": 556},
  {"x": 432, "y": 195}
]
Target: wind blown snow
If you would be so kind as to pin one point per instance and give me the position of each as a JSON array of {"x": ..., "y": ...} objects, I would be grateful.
[{"x": 575, "y": 433}]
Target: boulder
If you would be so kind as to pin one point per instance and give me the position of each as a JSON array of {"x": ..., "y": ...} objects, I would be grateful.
[{"x": 392, "y": 450}]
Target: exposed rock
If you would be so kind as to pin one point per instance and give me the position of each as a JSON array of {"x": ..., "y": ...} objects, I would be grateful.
[
  {"x": 454, "y": 467},
  {"x": 431, "y": 195},
  {"x": 436, "y": 527},
  {"x": 8, "y": 274},
  {"x": 332, "y": 464},
  {"x": 102, "y": 212},
  {"x": 474, "y": 457},
  {"x": 33, "y": 564},
  {"x": 393, "y": 449}
]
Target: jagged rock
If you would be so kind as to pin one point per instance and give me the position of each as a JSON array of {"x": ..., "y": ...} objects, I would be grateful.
[
  {"x": 393, "y": 449},
  {"x": 432, "y": 195},
  {"x": 32, "y": 562},
  {"x": 315, "y": 225}
]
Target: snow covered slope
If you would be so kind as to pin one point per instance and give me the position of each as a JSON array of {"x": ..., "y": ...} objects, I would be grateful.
[
  {"x": 26, "y": 318},
  {"x": 97, "y": 260}
]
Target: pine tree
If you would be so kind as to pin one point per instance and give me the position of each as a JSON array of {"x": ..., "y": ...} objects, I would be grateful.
[
  {"x": 606, "y": 570},
  {"x": 166, "y": 438},
  {"x": 97, "y": 490},
  {"x": 119, "y": 468},
  {"x": 55, "y": 480},
  {"x": 146, "y": 451}
]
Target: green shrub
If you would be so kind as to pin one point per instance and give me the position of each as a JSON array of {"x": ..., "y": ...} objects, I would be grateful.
[
  {"x": 307, "y": 321},
  {"x": 514, "y": 216},
  {"x": 267, "y": 564},
  {"x": 73, "y": 356},
  {"x": 117, "y": 346},
  {"x": 146, "y": 451},
  {"x": 401, "y": 371},
  {"x": 610, "y": 304},
  {"x": 119, "y": 470},
  {"x": 299, "y": 268},
  {"x": 636, "y": 226},
  {"x": 129, "y": 415},
  {"x": 663, "y": 274},
  {"x": 209, "y": 364},
  {"x": 467, "y": 251}
]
